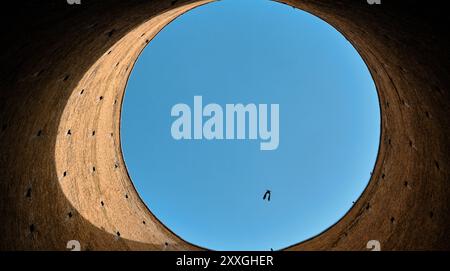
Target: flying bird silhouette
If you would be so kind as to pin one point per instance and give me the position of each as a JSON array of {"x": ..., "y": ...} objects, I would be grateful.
[{"x": 267, "y": 195}]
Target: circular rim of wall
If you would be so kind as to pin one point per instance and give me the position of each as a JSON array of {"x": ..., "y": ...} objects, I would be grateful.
[{"x": 342, "y": 216}]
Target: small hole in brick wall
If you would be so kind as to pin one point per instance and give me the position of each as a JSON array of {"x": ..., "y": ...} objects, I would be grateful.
[
  {"x": 406, "y": 184},
  {"x": 32, "y": 228},
  {"x": 143, "y": 222},
  {"x": 389, "y": 141},
  {"x": 70, "y": 214},
  {"x": 102, "y": 203},
  {"x": 147, "y": 41},
  {"x": 142, "y": 35},
  {"x": 111, "y": 134},
  {"x": 427, "y": 114},
  {"x": 382, "y": 176},
  {"x": 28, "y": 195},
  {"x": 100, "y": 98},
  {"x": 93, "y": 169},
  {"x": 110, "y": 33},
  {"x": 39, "y": 133},
  {"x": 66, "y": 77},
  {"x": 392, "y": 220},
  {"x": 93, "y": 133},
  {"x": 109, "y": 52},
  {"x": 410, "y": 143},
  {"x": 81, "y": 92},
  {"x": 166, "y": 243},
  {"x": 387, "y": 104},
  {"x": 69, "y": 132},
  {"x": 126, "y": 196},
  {"x": 116, "y": 165},
  {"x": 431, "y": 214},
  {"x": 117, "y": 64},
  {"x": 64, "y": 173},
  {"x": 115, "y": 101},
  {"x": 118, "y": 234},
  {"x": 437, "y": 165},
  {"x": 367, "y": 206}
]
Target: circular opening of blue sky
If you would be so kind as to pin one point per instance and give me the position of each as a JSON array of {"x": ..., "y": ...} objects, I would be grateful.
[{"x": 249, "y": 125}]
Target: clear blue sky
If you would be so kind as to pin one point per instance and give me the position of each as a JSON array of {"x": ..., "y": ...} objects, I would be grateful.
[{"x": 254, "y": 51}]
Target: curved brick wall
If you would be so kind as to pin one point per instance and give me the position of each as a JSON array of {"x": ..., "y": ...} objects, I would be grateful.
[{"x": 63, "y": 74}]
